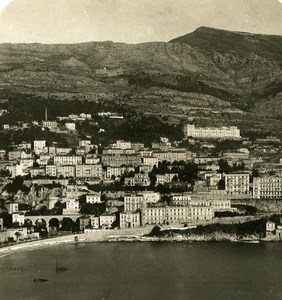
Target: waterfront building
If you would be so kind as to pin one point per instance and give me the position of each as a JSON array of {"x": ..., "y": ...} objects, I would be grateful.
[
  {"x": 107, "y": 220},
  {"x": 237, "y": 183},
  {"x": 231, "y": 132},
  {"x": 267, "y": 187},
  {"x": 129, "y": 220}
]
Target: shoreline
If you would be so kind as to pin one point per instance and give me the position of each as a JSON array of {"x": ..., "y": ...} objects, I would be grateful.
[{"x": 84, "y": 238}]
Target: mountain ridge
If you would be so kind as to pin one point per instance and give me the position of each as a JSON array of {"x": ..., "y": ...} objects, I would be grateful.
[{"x": 241, "y": 70}]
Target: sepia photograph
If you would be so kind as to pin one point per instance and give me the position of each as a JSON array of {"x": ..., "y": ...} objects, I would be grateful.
[{"x": 140, "y": 149}]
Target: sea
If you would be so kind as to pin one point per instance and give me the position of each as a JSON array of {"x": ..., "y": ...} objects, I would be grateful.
[{"x": 151, "y": 270}]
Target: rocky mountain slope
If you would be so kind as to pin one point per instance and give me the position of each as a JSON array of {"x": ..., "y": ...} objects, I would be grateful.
[{"x": 211, "y": 75}]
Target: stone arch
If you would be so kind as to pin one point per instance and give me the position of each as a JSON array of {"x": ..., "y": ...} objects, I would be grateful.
[
  {"x": 28, "y": 223},
  {"x": 53, "y": 226},
  {"x": 41, "y": 226}
]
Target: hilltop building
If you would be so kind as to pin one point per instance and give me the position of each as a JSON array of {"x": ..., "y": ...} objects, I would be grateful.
[{"x": 231, "y": 132}]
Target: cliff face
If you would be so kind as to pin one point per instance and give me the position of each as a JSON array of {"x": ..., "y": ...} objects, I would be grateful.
[
  {"x": 37, "y": 195},
  {"x": 206, "y": 69}
]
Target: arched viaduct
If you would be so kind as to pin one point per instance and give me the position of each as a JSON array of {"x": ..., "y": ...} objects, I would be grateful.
[{"x": 47, "y": 219}]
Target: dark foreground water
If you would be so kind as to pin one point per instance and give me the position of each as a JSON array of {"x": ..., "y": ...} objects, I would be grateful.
[{"x": 146, "y": 271}]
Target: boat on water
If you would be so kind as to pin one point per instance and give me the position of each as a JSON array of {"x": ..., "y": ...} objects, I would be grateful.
[
  {"x": 59, "y": 267},
  {"x": 38, "y": 278}
]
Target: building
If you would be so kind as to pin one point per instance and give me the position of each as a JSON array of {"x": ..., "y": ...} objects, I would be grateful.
[
  {"x": 93, "y": 198},
  {"x": 231, "y": 132},
  {"x": 107, "y": 220},
  {"x": 39, "y": 146},
  {"x": 18, "y": 217},
  {"x": 67, "y": 160},
  {"x": 134, "y": 202},
  {"x": 151, "y": 197},
  {"x": 237, "y": 183},
  {"x": 150, "y": 161},
  {"x": 94, "y": 222},
  {"x": 70, "y": 126},
  {"x": 17, "y": 170},
  {"x": 138, "y": 179},
  {"x": 181, "y": 199},
  {"x": 165, "y": 178},
  {"x": 89, "y": 171},
  {"x": 173, "y": 155},
  {"x": 130, "y": 220},
  {"x": 65, "y": 171},
  {"x": 12, "y": 208},
  {"x": 49, "y": 124},
  {"x": 72, "y": 206},
  {"x": 267, "y": 187},
  {"x": 51, "y": 170}
]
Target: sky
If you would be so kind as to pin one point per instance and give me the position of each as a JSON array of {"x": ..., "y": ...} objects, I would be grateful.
[{"x": 131, "y": 21}]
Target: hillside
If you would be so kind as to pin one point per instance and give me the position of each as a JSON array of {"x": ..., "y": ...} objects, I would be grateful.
[{"x": 211, "y": 75}]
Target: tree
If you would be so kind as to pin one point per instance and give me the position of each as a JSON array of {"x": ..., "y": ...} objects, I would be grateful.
[{"x": 17, "y": 234}]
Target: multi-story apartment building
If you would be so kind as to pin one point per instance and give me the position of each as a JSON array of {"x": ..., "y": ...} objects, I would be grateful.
[
  {"x": 150, "y": 161},
  {"x": 120, "y": 160},
  {"x": 51, "y": 170},
  {"x": 67, "y": 160},
  {"x": 107, "y": 220},
  {"x": 165, "y": 178},
  {"x": 138, "y": 179},
  {"x": 39, "y": 146},
  {"x": 181, "y": 199},
  {"x": 134, "y": 202},
  {"x": 231, "y": 132},
  {"x": 65, "y": 171},
  {"x": 89, "y": 171},
  {"x": 237, "y": 183},
  {"x": 93, "y": 198},
  {"x": 130, "y": 219},
  {"x": 173, "y": 155},
  {"x": 176, "y": 214},
  {"x": 267, "y": 187},
  {"x": 151, "y": 197}
]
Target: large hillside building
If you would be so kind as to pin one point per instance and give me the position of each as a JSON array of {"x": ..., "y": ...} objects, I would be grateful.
[{"x": 231, "y": 132}]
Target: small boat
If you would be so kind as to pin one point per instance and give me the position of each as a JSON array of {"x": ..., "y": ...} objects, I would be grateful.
[
  {"x": 59, "y": 267},
  {"x": 38, "y": 279}
]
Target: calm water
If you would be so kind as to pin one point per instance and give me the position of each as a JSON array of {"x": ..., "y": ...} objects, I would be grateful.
[{"x": 147, "y": 271}]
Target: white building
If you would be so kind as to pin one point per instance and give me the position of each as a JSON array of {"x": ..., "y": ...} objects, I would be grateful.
[
  {"x": 231, "y": 132},
  {"x": 72, "y": 206},
  {"x": 93, "y": 198},
  {"x": 237, "y": 183},
  {"x": 70, "y": 126},
  {"x": 267, "y": 187},
  {"x": 134, "y": 202},
  {"x": 89, "y": 171},
  {"x": 51, "y": 170},
  {"x": 68, "y": 160},
  {"x": 107, "y": 220},
  {"x": 18, "y": 217},
  {"x": 151, "y": 197},
  {"x": 39, "y": 146},
  {"x": 130, "y": 220}
]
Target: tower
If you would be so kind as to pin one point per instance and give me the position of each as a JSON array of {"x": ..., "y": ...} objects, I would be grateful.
[{"x": 46, "y": 114}]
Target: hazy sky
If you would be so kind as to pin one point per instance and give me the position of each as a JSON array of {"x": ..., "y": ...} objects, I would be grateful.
[{"x": 131, "y": 21}]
